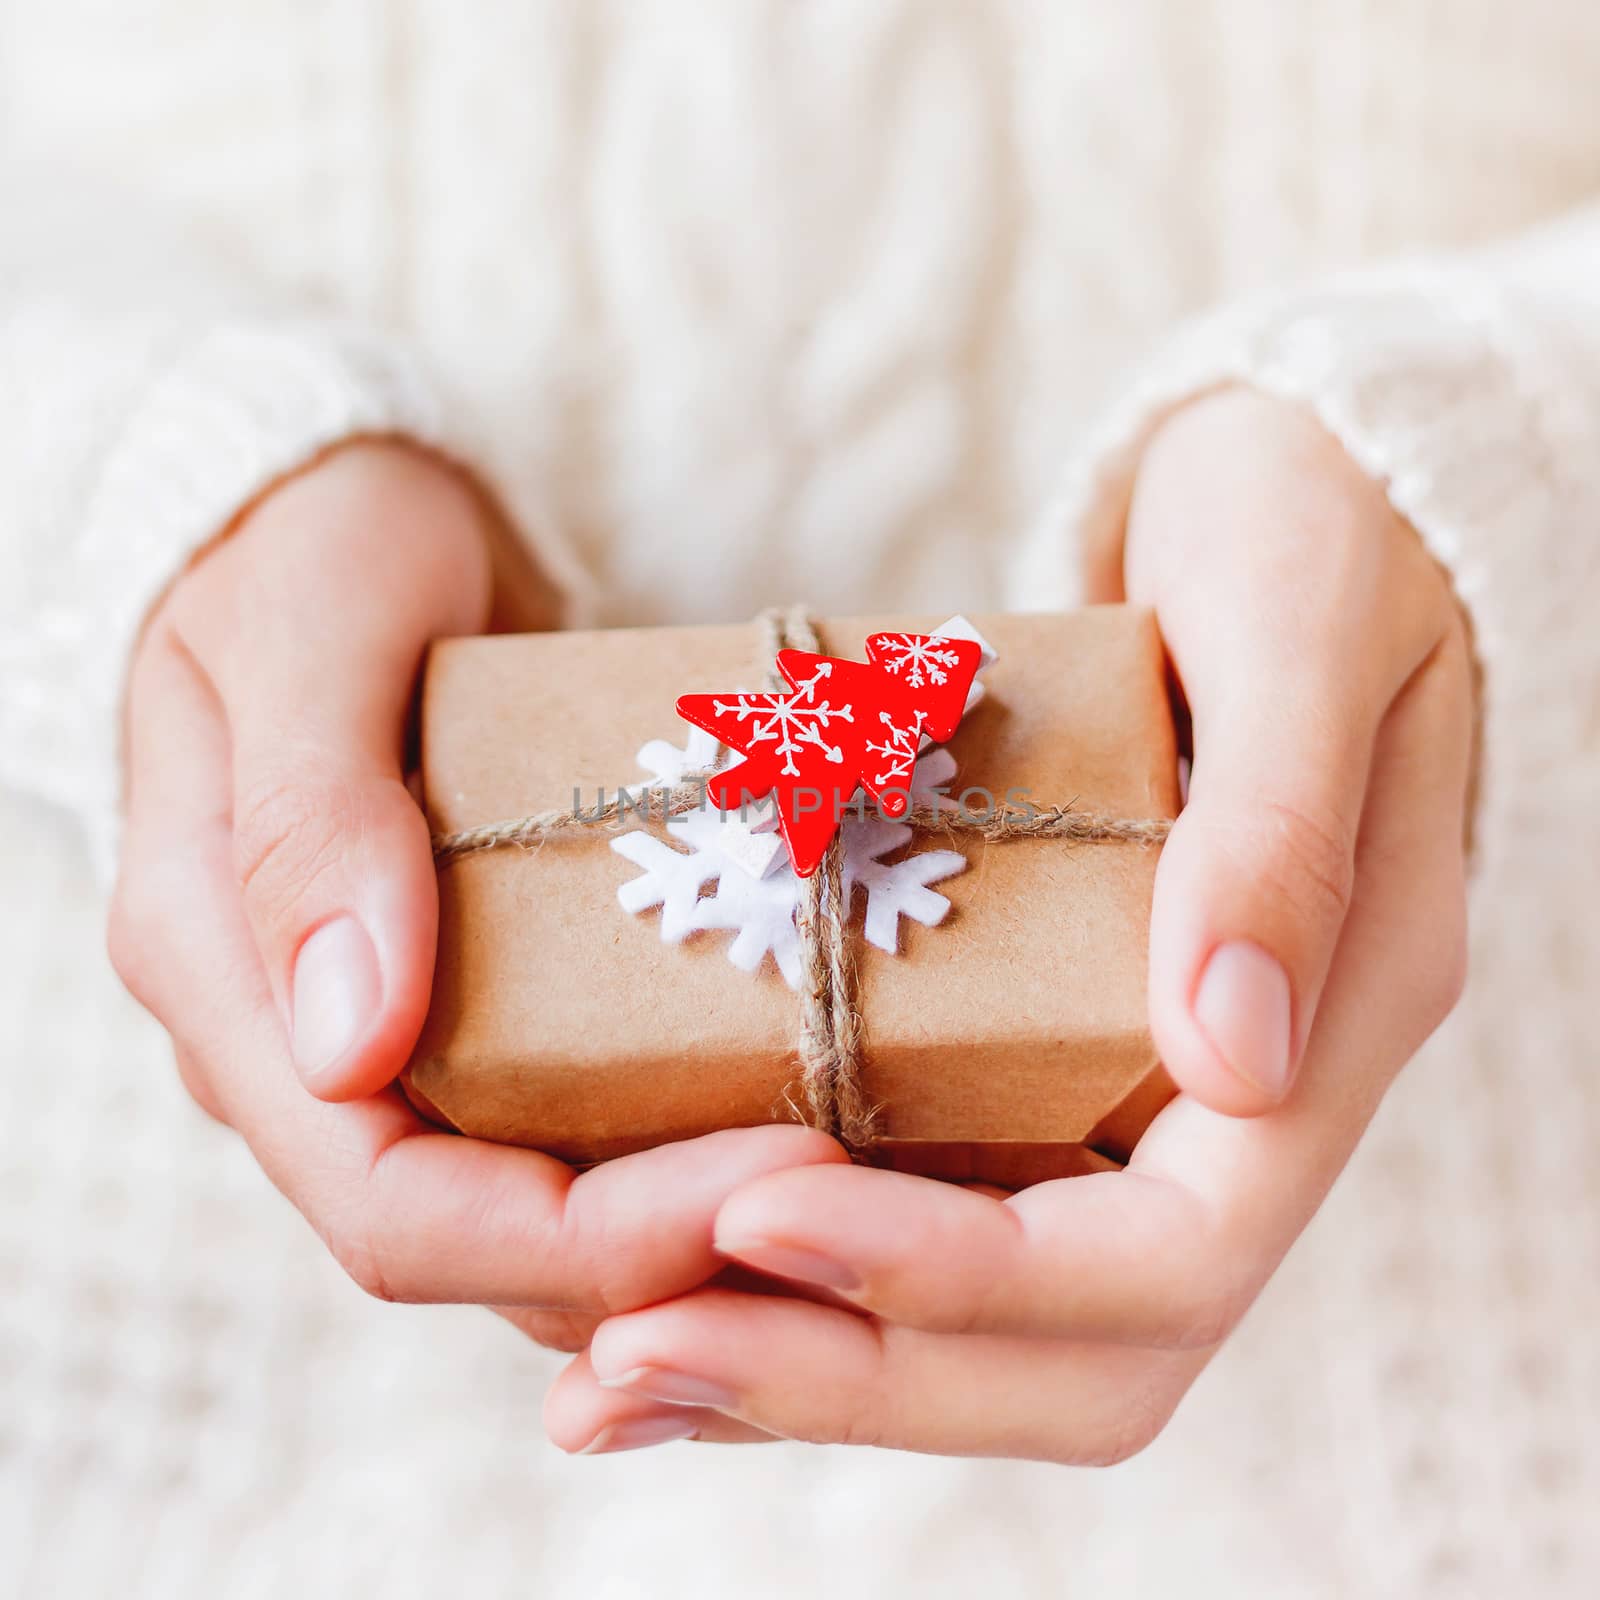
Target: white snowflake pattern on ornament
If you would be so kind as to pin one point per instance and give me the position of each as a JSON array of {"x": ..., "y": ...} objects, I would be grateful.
[
  {"x": 921, "y": 660},
  {"x": 794, "y": 720},
  {"x": 899, "y": 750}
]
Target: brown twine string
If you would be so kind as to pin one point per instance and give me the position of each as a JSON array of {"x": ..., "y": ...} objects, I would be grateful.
[
  {"x": 830, "y": 1022},
  {"x": 830, "y": 1034}
]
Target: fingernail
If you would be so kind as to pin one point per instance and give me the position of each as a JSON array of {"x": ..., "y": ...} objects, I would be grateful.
[
  {"x": 1243, "y": 1006},
  {"x": 784, "y": 1261},
  {"x": 639, "y": 1433},
  {"x": 677, "y": 1388},
  {"x": 337, "y": 989}
]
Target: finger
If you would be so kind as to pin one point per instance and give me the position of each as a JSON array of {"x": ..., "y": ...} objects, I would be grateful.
[
  {"x": 1294, "y": 612},
  {"x": 311, "y": 624},
  {"x": 805, "y": 1371},
  {"x": 584, "y": 1418},
  {"x": 1111, "y": 1256},
  {"x": 178, "y": 758},
  {"x": 571, "y": 1331},
  {"x": 1172, "y": 1251},
  {"x": 178, "y": 797}
]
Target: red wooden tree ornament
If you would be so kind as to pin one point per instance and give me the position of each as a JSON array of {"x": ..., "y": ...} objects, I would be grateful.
[{"x": 847, "y": 725}]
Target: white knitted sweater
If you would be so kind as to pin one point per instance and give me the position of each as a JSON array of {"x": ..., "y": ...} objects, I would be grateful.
[{"x": 742, "y": 300}]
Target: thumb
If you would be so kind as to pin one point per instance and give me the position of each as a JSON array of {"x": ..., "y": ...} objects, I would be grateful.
[
  {"x": 312, "y": 626},
  {"x": 1252, "y": 891}
]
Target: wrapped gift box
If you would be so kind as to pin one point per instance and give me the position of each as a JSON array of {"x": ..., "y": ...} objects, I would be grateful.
[{"x": 1009, "y": 1042}]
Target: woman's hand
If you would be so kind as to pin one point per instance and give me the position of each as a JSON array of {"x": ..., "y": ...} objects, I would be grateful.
[
  {"x": 1308, "y": 934},
  {"x": 277, "y": 909}
]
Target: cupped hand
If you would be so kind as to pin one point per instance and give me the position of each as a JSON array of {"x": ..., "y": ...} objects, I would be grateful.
[
  {"x": 1308, "y": 934},
  {"x": 277, "y": 907}
]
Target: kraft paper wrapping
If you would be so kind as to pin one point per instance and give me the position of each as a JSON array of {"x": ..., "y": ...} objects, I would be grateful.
[{"x": 1007, "y": 1043}]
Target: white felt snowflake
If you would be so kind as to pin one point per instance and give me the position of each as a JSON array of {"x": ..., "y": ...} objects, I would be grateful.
[
  {"x": 668, "y": 763},
  {"x": 747, "y": 837},
  {"x": 672, "y": 879},
  {"x": 761, "y": 913},
  {"x": 762, "y": 910},
  {"x": 894, "y": 889}
]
